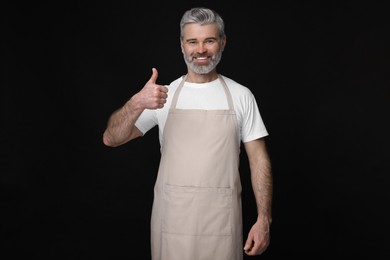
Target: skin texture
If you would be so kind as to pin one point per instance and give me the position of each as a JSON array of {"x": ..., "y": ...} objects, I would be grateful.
[
  {"x": 260, "y": 167},
  {"x": 202, "y": 48}
]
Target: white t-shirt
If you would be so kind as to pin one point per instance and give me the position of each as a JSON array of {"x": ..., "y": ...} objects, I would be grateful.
[{"x": 209, "y": 96}]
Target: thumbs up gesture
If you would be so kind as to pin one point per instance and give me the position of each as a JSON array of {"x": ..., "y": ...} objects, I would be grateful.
[{"x": 152, "y": 95}]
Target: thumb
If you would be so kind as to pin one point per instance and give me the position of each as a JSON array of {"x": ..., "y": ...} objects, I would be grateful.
[
  {"x": 154, "y": 76},
  {"x": 248, "y": 244}
]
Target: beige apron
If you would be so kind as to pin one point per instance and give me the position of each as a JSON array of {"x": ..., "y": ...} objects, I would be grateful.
[{"x": 197, "y": 196}]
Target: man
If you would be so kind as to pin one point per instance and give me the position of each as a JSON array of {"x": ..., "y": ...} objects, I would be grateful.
[{"x": 197, "y": 196}]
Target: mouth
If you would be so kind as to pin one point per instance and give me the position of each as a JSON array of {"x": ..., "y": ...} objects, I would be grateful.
[{"x": 200, "y": 59}]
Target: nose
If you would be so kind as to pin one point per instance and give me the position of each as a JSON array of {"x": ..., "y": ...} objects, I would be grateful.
[{"x": 201, "y": 48}]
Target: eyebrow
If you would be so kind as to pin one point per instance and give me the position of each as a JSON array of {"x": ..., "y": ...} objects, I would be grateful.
[{"x": 208, "y": 38}]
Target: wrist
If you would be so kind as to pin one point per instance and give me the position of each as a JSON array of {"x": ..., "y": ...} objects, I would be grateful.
[
  {"x": 134, "y": 104},
  {"x": 264, "y": 218}
]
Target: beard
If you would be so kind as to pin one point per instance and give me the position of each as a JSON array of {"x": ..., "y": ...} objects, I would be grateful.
[{"x": 203, "y": 69}]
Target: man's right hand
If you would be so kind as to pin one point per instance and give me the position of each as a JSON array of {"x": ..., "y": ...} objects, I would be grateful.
[{"x": 152, "y": 95}]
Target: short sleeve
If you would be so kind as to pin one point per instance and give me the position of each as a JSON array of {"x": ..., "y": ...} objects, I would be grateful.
[
  {"x": 253, "y": 126},
  {"x": 146, "y": 121}
]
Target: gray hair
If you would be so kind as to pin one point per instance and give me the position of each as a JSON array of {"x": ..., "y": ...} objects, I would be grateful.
[{"x": 202, "y": 16}]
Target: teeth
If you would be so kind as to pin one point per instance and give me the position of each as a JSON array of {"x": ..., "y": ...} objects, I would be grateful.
[{"x": 201, "y": 58}]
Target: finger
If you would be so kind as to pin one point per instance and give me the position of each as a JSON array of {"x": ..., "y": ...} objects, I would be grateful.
[
  {"x": 154, "y": 76},
  {"x": 163, "y": 95},
  {"x": 164, "y": 89},
  {"x": 248, "y": 245},
  {"x": 249, "y": 242}
]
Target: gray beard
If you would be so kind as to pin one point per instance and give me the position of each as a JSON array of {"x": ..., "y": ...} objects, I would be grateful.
[{"x": 203, "y": 69}]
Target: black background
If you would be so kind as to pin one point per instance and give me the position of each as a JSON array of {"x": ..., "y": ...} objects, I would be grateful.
[{"x": 320, "y": 73}]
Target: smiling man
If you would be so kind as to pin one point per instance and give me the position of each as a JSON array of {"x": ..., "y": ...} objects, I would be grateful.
[{"x": 203, "y": 117}]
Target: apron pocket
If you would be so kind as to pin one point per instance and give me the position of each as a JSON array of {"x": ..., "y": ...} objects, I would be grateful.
[{"x": 197, "y": 210}]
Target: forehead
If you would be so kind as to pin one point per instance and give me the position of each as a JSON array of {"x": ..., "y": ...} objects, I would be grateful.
[{"x": 197, "y": 31}]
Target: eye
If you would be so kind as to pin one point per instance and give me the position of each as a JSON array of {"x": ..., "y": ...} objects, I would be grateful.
[
  {"x": 192, "y": 42},
  {"x": 210, "y": 41}
]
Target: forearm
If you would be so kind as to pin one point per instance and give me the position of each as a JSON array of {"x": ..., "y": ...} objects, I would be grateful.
[
  {"x": 261, "y": 176},
  {"x": 121, "y": 124}
]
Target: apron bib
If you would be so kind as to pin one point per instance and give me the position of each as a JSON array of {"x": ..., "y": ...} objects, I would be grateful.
[{"x": 196, "y": 211}]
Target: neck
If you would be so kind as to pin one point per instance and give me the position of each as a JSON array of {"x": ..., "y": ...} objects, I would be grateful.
[{"x": 201, "y": 78}]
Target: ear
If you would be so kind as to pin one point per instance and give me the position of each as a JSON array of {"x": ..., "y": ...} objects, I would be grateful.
[
  {"x": 223, "y": 43},
  {"x": 181, "y": 46}
]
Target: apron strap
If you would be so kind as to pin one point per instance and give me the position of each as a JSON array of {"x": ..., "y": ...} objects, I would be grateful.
[{"x": 227, "y": 92}]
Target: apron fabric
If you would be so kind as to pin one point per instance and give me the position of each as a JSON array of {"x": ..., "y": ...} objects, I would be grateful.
[{"x": 196, "y": 213}]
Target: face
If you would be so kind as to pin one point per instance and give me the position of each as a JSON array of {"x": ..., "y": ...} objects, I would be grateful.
[{"x": 202, "y": 47}]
